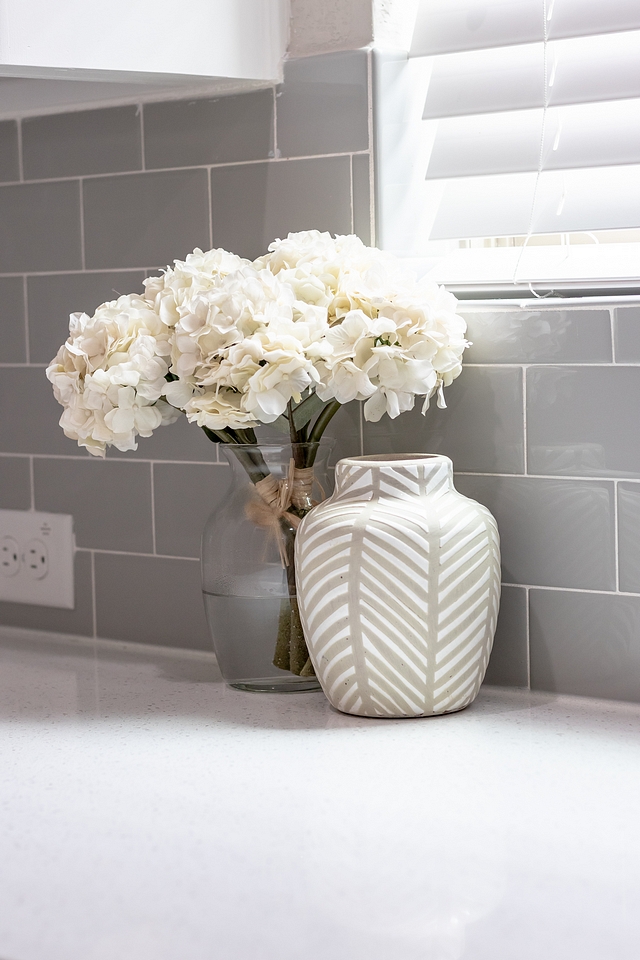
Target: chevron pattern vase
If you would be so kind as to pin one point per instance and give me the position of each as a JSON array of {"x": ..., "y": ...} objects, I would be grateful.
[{"x": 399, "y": 586}]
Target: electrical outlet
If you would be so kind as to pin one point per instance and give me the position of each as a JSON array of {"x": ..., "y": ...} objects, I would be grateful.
[{"x": 36, "y": 558}]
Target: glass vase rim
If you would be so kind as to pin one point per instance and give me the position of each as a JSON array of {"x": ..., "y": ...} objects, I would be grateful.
[{"x": 327, "y": 442}]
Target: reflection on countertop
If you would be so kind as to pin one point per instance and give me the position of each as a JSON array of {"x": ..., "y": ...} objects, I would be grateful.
[{"x": 147, "y": 812}]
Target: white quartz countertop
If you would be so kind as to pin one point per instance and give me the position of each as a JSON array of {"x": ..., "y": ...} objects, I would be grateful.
[{"x": 149, "y": 813}]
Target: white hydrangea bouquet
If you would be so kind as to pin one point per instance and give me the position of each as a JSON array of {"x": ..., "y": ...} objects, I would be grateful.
[{"x": 315, "y": 323}]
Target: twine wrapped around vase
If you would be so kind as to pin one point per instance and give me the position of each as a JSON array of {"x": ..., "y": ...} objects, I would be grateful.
[{"x": 274, "y": 499}]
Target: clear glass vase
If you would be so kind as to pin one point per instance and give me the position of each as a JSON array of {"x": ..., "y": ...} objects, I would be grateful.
[{"x": 248, "y": 578}]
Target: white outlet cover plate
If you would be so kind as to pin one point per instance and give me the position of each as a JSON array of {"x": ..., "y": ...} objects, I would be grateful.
[{"x": 55, "y": 530}]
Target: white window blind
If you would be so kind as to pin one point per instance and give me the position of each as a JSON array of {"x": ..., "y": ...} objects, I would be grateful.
[{"x": 509, "y": 141}]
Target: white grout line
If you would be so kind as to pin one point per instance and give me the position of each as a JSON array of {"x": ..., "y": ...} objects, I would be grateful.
[
  {"x": 276, "y": 152},
  {"x": 73, "y": 273},
  {"x": 135, "y": 553},
  {"x": 613, "y": 334},
  {"x": 93, "y": 593},
  {"x": 153, "y": 507},
  {"x": 87, "y": 458},
  {"x": 372, "y": 181},
  {"x": 202, "y": 166},
  {"x": 27, "y": 366},
  {"x": 82, "y": 252},
  {"x": 528, "y": 636},
  {"x": 592, "y": 592},
  {"x": 524, "y": 421},
  {"x": 20, "y": 160},
  {"x": 143, "y": 159},
  {"x": 25, "y": 299},
  {"x": 32, "y": 484},
  {"x": 545, "y": 476},
  {"x": 616, "y": 535},
  {"x": 210, "y": 203},
  {"x": 351, "y": 190}
]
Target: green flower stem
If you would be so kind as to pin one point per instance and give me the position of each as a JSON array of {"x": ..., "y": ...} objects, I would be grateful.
[{"x": 321, "y": 425}]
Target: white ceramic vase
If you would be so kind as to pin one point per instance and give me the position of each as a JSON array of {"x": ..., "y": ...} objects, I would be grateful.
[{"x": 398, "y": 585}]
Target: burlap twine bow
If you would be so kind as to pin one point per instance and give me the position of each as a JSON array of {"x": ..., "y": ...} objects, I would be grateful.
[{"x": 274, "y": 499}]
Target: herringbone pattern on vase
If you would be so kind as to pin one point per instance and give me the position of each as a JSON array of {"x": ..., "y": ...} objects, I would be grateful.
[{"x": 398, "y": 580}]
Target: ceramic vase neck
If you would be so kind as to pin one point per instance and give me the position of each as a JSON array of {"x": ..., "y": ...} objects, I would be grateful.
[{"x": 393, "y": 476}]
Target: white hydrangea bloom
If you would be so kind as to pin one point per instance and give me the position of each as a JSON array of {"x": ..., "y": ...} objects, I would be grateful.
[
  {"x": 110, "y": 375},
  {"x": 392, "y": 338},
  {"x": 243, "y": 348}
]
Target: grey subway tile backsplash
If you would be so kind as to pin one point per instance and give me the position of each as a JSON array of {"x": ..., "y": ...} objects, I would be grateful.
[
  {"x": 585, "y": 644},
  {"x": 15, "y": 483},
  {"x": 555, "y": 507},
  {"x": 179, "y": 440},
  {"x": 557, "y": 533},
  {"x": 40, "y": 227},
  {"x": 146, "y": 219},
  {"x": 110, "y": 500},
  {"x": 29, "y": 414},
  {"x": 78, "y": 621},
  {"x": 322, "y": 106},
  {"x": 627, "y": 334},
  {"x": 629, "y": 536},
  {"x": 509, "y": 661},
  {"x": 13, "y": 335},
  {"x": 199, "y": 489},
  {"x": 361, "y": 197},
  {"x": 9, "y": 155},
  {"x": 81, "y": 143},
  {"x": 481, "y": 430},
  {"x": 583, "y": 421},
  {"x": 531, "y": 334},
  {"x": 253, "y": 204},
  {"x": 188, "y": 133},
  {"x": 52, "y": 298},
  {"x": 150, "y": 600}
]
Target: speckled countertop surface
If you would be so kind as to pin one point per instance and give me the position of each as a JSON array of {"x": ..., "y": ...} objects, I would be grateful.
[{"x": 149, "y": 813}]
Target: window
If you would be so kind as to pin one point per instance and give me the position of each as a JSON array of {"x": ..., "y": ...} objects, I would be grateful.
[{"x": 508, "y": 144}]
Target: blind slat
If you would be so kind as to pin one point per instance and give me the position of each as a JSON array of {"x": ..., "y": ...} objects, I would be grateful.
[
  {"x": 580, "y": 135},
  {"x": 579, "y": 70},
  {"x": 445, "y": 26},
  {"x": 565, "y": 202}
]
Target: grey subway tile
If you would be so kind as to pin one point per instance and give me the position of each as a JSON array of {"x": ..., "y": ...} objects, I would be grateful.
[
  {"x": 322, "y": 106},
  {"x": 583, "y": 421},
  {"x": 15, "y": 483},
  {"x": 627, "y": 334},
  {"x": 345, "y": 430},
  {"x": 530, "y": 334},
  {"x": 9, "y": 157},
  {"x": 184, "y": 496},
  {"x": 557, "y": 533},
  {"x": 509, "y": 662},
  {"x": 481, "y": 430},
  {"x": 78, "y": 621},
  {"x": 189, "y": 133},
  {"x": 145, "y": 219},
  {"x": 180, "y": 440},
  {"x": 84, "y": 142},
  {"x": 254, "y": 204},
  {"x": 150, "y": 600},
  {"x": 110, "y": 500},
  {"x": 629, "y": 536},
  {"x": 361, "y": 197},
  {"x": 585, "y": 644},
  {"x": 13, "y": 339},
  {"x": 29, "y": 414},
  {"x": 40, "y": 227},
  {"x": 52, "y": 298}
]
